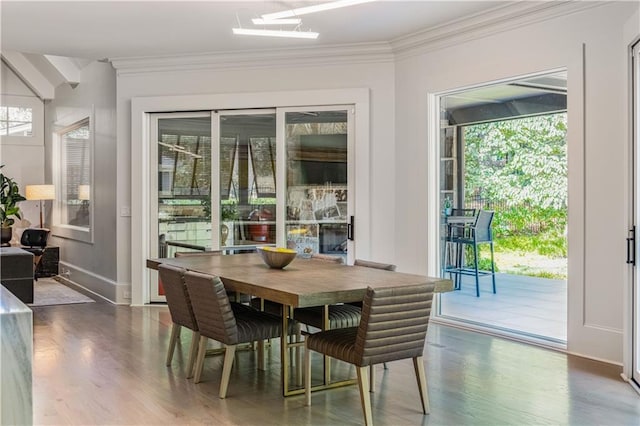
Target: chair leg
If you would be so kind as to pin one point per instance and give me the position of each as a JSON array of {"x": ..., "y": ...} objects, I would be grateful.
[
  {"x": 459, "y": 265},
  {"x": 372, "y": 378},
  {"x": 418, "y": 365},
  {"x": 36, "y": 263},
  {"x": 365, "y": 399},
  {"x": 202, "y": 350},
  {"x": 229, "y": 355},
  {"x": 260, "y": 355},
  {"x": 493, "y": 269},
  {"x": 175, "y": 332},
  {"x": 307, "y": 374},
  {"x": 193, "y": 353},
  {"x": 298, "y": 355},
  {"x": 475, "y": 265}
]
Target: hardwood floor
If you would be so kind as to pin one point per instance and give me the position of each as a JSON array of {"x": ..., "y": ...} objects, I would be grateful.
[{"x": 98, "y": 363}]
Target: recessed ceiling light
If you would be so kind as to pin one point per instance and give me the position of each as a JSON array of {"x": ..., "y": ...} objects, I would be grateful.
[
  {"x": 290, "y": 21},
  {"x": 275, "y": 33},
  {"x": 313, "y": 9}
]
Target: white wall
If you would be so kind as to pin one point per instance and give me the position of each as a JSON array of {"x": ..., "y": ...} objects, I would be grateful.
[
  {"x": 23, "y": 163},
  {"x": 597, "y": 140},
  {"x": 377, "y": 77},
  {"x": 400, "y": 213},
  {"x": 92, "y": 265}
]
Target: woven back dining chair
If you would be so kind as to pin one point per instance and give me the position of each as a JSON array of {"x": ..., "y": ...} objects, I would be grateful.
[
  {"x": 179, "y": 304},
  {"x": 393, "y": 327},
  {"x": 227, "y": 322},
  {"x": 338, "y": 316}
]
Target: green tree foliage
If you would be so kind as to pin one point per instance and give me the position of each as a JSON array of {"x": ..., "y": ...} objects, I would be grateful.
[
  {"x": 519, "y": 169},
  {"x": 520, "y": 161}
]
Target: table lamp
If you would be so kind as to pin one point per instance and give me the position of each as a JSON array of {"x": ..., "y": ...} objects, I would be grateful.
[
  {"x": 84, "y": 192},
  {"x": 41, "y": 193}
]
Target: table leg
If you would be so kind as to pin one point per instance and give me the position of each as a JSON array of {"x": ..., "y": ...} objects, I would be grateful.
[
  {"x": 284, "y": 350},
  {"x": 327, "y": 360}
]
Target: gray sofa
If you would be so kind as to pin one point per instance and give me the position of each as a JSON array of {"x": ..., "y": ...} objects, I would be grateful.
[{"x": 16, "y": 272}]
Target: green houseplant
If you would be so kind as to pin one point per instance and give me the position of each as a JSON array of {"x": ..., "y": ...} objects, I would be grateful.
[{"x": 9, "y": 210}]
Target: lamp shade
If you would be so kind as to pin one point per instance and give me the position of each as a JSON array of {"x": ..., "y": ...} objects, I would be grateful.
[
  {"x": 84, "y": 192},
  {"x": 40, "y": 192}
]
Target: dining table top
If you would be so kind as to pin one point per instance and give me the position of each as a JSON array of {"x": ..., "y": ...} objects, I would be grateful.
[{"x": 304, "y": 282}]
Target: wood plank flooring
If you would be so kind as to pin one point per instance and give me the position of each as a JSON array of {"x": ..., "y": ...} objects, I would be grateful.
[{"x": 103, "y": 364}]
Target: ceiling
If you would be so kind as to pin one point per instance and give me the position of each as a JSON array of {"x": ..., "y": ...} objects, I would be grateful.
[
  {"x": 541, "y": 94},
  {"x": 83, "y": 31},
  {"x": 125, "y": 29}
]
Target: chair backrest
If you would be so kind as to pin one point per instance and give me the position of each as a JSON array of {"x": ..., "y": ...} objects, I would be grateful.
[
  {"x": 483, "y": 226},
  {"x": 212, "y": 308},
  {"x": 327, "y": 258},
  {"x": 375, "y": 265},
  {"x": 34, "y": 237},
  {"x": 463, "y": 212},
  {"x": 198, "y": 253},
  {"x": 177, "y": 296},
  {"x": 394, "y": 323}
]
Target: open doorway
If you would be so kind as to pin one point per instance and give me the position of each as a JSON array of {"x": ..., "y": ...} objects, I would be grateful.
[{"x": 503, "y": 168}]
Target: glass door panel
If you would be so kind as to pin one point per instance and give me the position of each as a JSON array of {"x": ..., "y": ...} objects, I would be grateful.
[
  {"x": 181, "y": 186},
  {"x": 317, "y": 176},
  {"x": 247, "y": 198}
]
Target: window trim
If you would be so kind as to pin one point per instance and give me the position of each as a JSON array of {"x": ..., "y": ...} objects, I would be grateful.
[
  {"x": 59, "y": 229},
  {"x": 37, "y": 120}
]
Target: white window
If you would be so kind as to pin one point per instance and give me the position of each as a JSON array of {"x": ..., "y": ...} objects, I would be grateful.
[
  {"x": 21, "y": 120},
  {"x": 74, "y": 206},
  {"x": 16, "y": 121}
]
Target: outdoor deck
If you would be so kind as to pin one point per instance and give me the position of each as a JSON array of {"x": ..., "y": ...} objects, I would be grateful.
[{"x": 535, "y": 307}]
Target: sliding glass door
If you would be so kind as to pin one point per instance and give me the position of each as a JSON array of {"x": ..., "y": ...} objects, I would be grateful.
[
  {"x": 180, "y": 192},
  {"x": 235, "y": 180},
  {"x": 319, "y": 215},
  {"x": 245, "y": 192}
]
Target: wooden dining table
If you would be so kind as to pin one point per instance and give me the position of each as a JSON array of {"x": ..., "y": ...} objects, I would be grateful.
[{"x": 303, "y": 283}]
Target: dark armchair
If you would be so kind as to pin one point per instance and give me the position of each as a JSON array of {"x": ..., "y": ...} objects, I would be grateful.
[{"x": 34, "y": 240}]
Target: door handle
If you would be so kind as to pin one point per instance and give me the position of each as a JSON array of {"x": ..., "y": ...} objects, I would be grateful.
[
  {"x": 350, "y": 228},
  {"x": 631, "y": 246}
]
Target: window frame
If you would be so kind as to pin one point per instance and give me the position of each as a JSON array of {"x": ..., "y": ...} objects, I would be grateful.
[
  {"x": 37, "y": 120},
  {"x": 60, "y": 229}
]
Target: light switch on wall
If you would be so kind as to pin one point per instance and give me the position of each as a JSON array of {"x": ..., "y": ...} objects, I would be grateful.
[{"x": 125, "y": 211}]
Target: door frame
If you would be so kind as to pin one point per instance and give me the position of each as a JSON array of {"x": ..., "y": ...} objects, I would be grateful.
[
  {"x": 631, "y": 361},
  {"x": 142, "y": 107},
  {"x": 433, "y": 194}
]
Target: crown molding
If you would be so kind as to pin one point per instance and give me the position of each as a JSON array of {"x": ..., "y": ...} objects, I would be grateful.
[
  {"x": 324, "y": 55},
  {"x": 484, "y": 24},
  {"x": 502, "y": 18}
]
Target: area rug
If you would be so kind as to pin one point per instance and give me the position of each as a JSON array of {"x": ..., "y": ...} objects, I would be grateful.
[{"x": 47, "y": 292}]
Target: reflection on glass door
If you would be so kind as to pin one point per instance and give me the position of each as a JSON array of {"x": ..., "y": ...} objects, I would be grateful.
[
  {"x": 214, "y": 182},
  {"x": 318, "y": 216},
  {"x": 247, "y": 197},
  {"x": 180, "y": 216}
]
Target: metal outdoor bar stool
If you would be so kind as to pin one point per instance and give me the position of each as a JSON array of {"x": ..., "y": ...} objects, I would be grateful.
[{"x": 471, "y": 235}]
